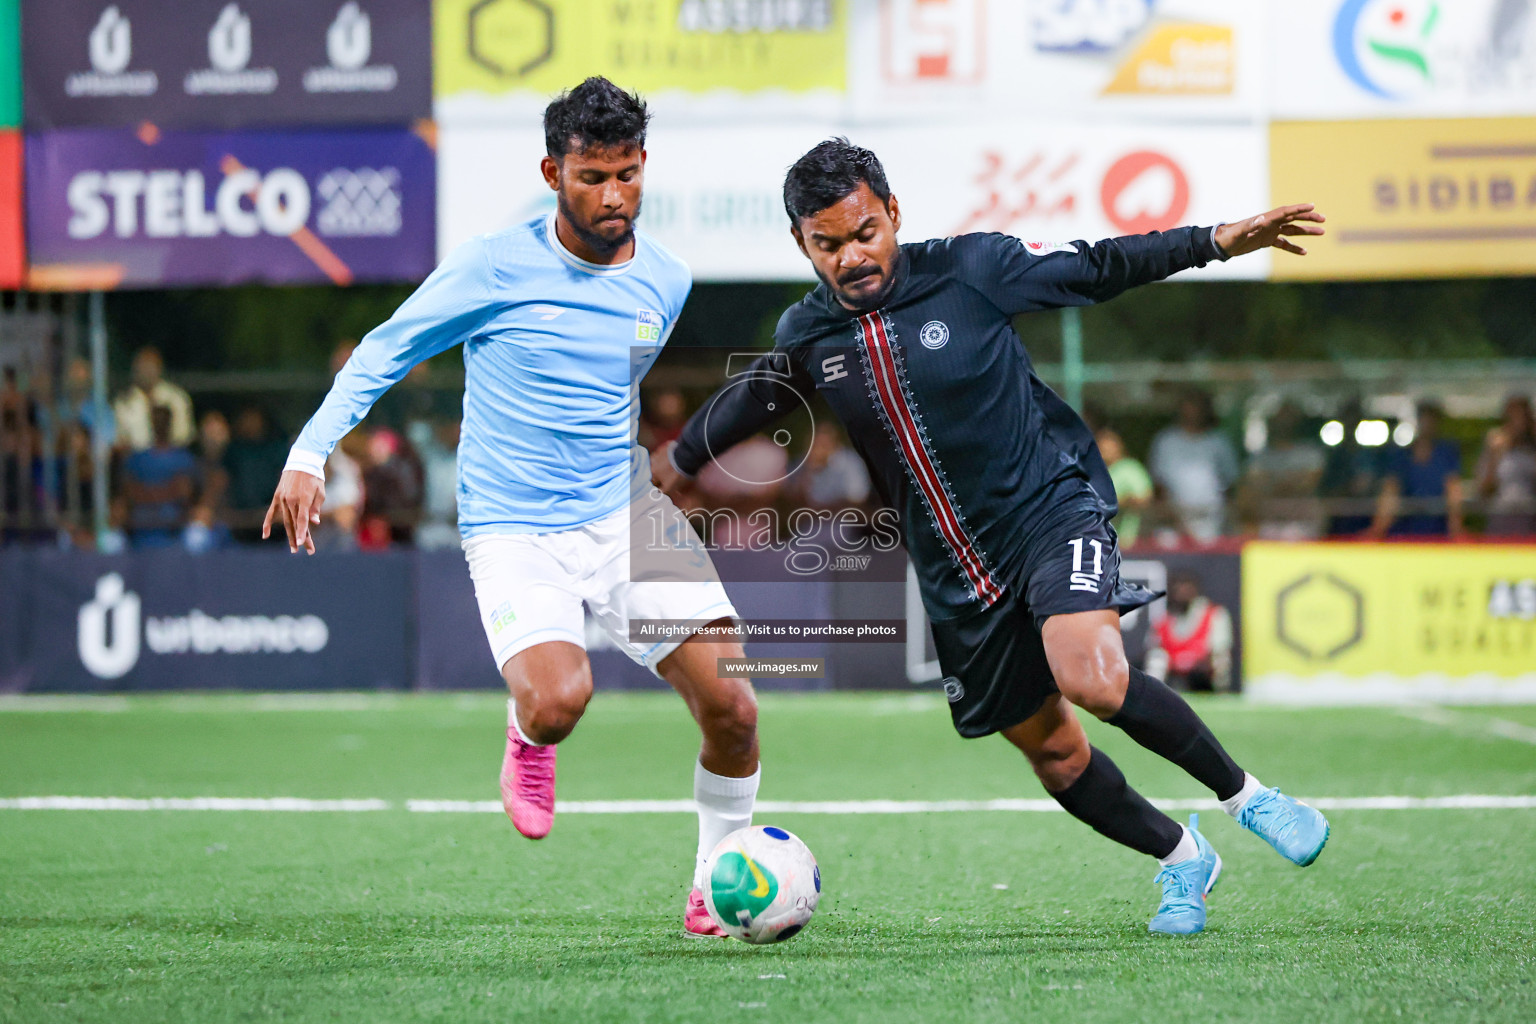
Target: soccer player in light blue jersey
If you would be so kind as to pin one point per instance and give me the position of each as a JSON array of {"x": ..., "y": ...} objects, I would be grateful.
[{"x": 559, "y": 318}]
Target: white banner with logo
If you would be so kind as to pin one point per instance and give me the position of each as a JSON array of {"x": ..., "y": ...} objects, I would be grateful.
[
  {"x": 1335, "y": 59},
  {"x": 714, "y": 196},
  {"x": 971, "y": 59}
]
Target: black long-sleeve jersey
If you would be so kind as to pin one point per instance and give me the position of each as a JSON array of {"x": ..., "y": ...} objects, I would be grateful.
[{"x": 939, "y": 397}]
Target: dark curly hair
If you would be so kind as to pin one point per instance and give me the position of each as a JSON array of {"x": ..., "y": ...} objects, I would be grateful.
[
  {"x": 828, "y": 174},
  {"x": 595, "y": 113}
]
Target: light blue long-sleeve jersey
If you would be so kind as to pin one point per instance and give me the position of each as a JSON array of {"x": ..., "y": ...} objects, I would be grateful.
[{"x": 554, "y": 349}]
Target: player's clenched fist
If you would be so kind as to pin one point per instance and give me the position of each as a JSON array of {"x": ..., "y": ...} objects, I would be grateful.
[{"x": 298, "y": 500}]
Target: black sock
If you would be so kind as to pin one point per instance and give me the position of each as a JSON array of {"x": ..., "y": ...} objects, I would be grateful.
[
  {"x": 1105, "y": 802},
  {"x": 1160, "y": 720}
]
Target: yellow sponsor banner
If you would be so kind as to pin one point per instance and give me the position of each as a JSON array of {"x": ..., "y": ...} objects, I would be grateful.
[
  {"x": 496, "y": 47},
  {"x": 1410, "y": 198},
  {"x": 1367, "y": 621}
]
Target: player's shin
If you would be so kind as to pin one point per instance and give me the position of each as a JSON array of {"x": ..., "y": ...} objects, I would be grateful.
[
  {"x": 1163, "y": 722},
  {"x": 1101, "y": 799},
  {"x": 724, "y": 805}
]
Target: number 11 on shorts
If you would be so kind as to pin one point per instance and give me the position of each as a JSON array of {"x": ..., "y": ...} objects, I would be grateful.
[{"x": 1082, "y": 580}]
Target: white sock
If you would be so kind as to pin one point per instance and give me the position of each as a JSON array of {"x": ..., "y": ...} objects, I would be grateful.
[
  {"x": 515, "y": 724},
  {"x": 1181, "y": 853},
  {"x": 1233, "y": 805},
  {"x": 725, "y": 805}
]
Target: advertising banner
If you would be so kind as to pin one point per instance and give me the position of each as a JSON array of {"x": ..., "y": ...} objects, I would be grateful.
[
  {"x": 223, "y": 64},
  {"x": 13, "y": 259},
  {"x": 168, "y": 620},
  {"x": 1346, "y": 623},
  {"x": 114, "y": 209},
  {"x": 970, "y": 59},
  {"x": 1436, "y": 198},
  {"x": 1401, "y": 58},
  {"x": 491, "y": 52},
  {"x": 10, "y": 64},
  {"x": 1044, "y": 181}
]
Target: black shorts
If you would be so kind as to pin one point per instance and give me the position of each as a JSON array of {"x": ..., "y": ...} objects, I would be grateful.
[{"x": 995, "y": 670}]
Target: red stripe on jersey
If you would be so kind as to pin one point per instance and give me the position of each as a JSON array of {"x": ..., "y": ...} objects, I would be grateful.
[{"x": 888, "y": 386}]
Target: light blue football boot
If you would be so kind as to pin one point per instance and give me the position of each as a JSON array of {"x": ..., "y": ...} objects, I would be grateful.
[
  {"x": 1185, "y": 887},
  {"x": 1297, "y": 832}
]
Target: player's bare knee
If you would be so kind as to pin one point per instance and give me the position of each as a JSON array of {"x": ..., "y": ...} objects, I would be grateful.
[
  {"x": 549, "y": 712},
  {"x": 1096, "y": 684}
]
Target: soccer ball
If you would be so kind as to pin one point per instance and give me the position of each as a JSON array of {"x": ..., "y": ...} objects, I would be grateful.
[{"x": 763, "y": 884}]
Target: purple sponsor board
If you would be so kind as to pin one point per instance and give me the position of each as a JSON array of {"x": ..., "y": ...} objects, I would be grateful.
[
  {"x": 224, "y": 64},
  {"x": 149, "y": 209}
]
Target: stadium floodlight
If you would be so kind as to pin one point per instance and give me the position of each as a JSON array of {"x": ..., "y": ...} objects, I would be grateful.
[
  {"x": 1332, "y": 433},
  {"x": 1404, "y": 433},
  {"x": 1371, "y": 433}
]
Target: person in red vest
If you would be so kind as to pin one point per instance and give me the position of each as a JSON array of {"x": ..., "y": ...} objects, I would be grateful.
[{"x": 1191, "y": 646}]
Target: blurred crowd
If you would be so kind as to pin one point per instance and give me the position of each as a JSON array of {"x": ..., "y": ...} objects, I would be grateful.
[
  {"x": 177, "y": 475},
  {"x": 1353, "y": 476}
]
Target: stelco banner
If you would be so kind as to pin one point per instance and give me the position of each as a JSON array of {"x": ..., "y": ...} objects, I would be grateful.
[
  {"x": 1054, "y": 183},
  {"x": 1432, "y": 198},
  {"x": 223, "y": 64},
  {"x": 1359, "y": 623},
  {"x": 110, "y": 209}
]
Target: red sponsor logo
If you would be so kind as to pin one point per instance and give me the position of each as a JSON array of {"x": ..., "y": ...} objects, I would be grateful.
[{"x": 1144, "y": 191}]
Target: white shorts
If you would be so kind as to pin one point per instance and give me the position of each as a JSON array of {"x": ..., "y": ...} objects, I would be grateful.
[{"x": 530, "y": 586}]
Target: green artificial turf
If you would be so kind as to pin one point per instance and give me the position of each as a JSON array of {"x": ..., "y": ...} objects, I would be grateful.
[{"x": 119, "y": 916}]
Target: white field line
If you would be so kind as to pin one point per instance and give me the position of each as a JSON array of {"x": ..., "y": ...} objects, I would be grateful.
[
  {"x": 1469, "y": 723},
  {"x": 301, "y": 804}
]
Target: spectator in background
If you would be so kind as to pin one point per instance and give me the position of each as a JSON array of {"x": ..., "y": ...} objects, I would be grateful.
[
  {"x": 1426, "y": 476},
  {"x": 1351, "y": 479},
  {"x": 1194, "y": 464},
  {"x": 832, "y": 476},
  {"x": 1133, "y": 485},
  {"x": 15, "y": 453},
  {"x": 338, "y": 528},
  {"x": 78, "y": 404},
  {"x": 256, "y": 455},
  {"x": 210, "y": 518},
  {"x": 437, "y": 445},
  {"x": 1506, "y": 471},
  {"x": 1278, "y": 493},
  {"x": 662, "y": 421},
  {"x": 148, "y": 390},
  {"x": 159, "y": 486},
  {"x": 1191, "y": 646},
  {"x": 392, "y": 492}
]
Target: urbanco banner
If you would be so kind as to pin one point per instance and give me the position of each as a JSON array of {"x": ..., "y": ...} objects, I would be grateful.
[{"x": 226, "y": 63}]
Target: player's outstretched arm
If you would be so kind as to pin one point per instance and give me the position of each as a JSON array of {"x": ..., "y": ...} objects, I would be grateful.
[
  {"x": 1272, "y": 230},
  {"x": 298, "y": 501}
]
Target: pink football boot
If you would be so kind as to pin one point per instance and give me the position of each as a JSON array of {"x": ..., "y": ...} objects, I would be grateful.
[
  {"x": 528, "y": 785},
  {"x": 696, "y": 919}
]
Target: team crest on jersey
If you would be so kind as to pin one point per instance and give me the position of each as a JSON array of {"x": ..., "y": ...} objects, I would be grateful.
[
  {"x": 1046, "y": 248},
  {"x": 648, "y": 325},
  {"x": 935, "y": 334}
]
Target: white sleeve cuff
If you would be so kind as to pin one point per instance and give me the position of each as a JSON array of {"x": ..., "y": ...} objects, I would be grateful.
[{"x": 312, "y": 463}]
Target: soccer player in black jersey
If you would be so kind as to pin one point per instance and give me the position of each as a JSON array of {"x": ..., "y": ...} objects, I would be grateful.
[{"x": 1004, "y": 500}]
